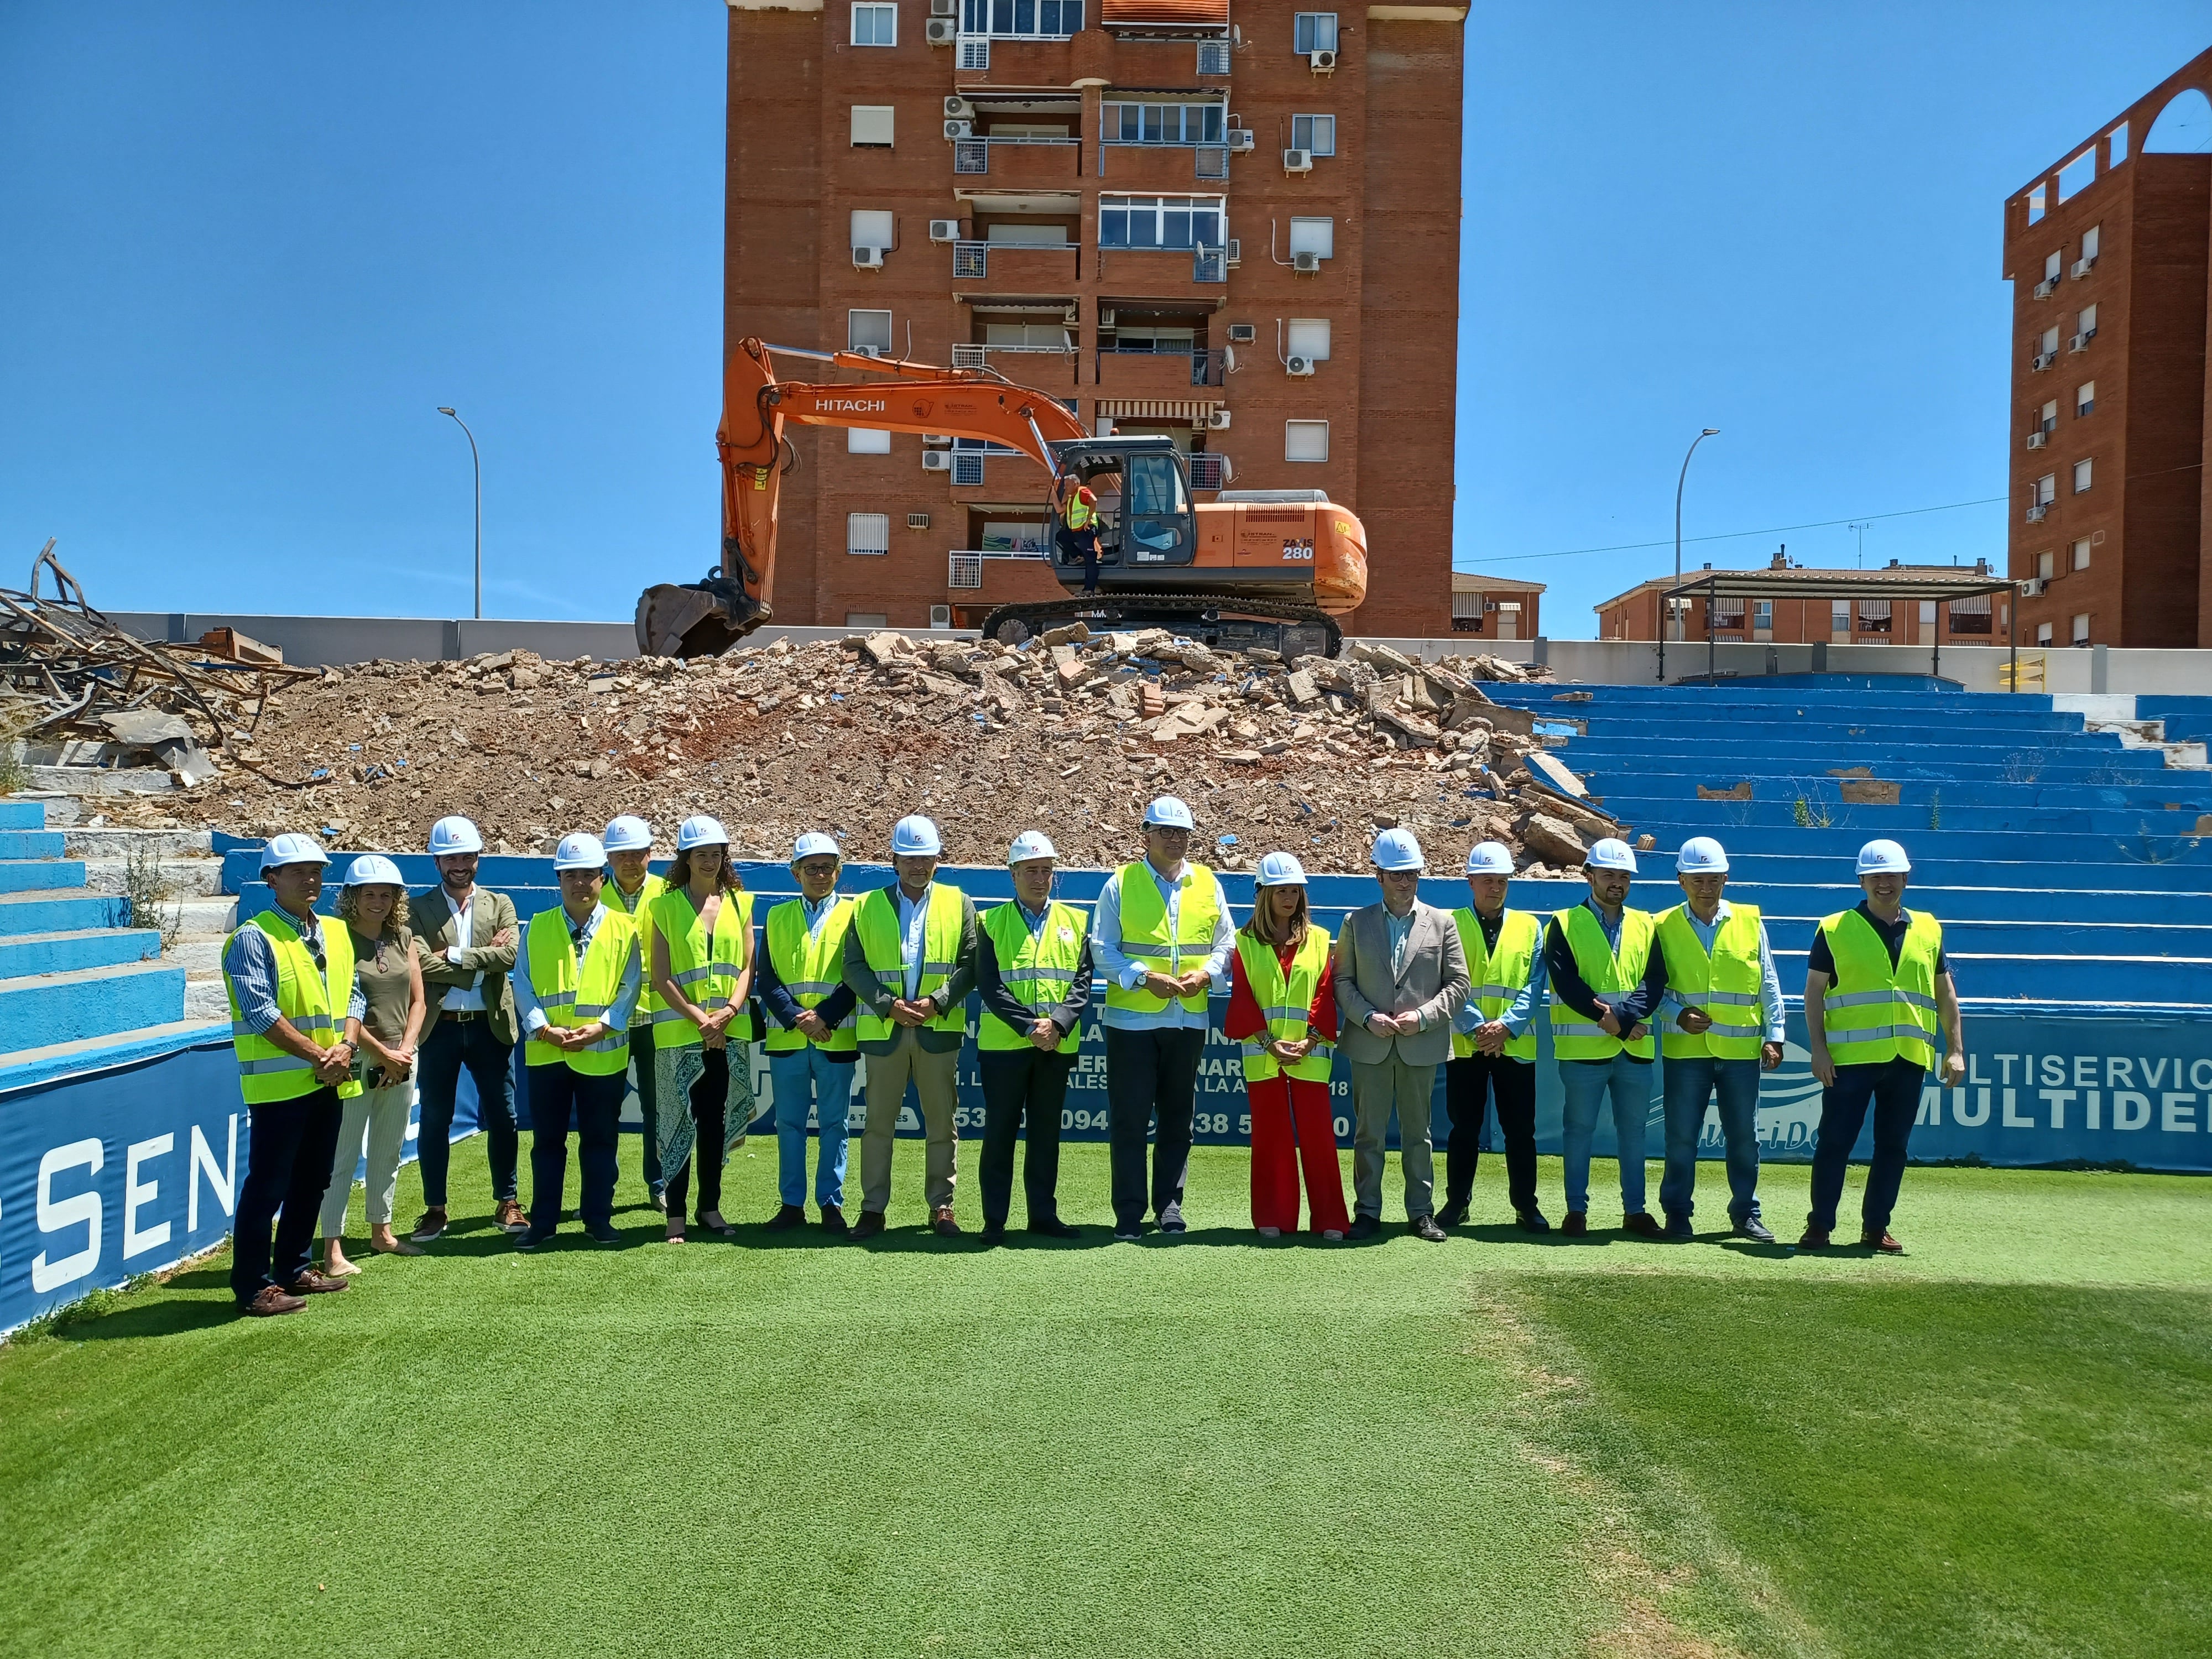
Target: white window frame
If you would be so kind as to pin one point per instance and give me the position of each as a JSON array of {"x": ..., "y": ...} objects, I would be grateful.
[
  {"x": 1307, "y": 28},
  {"x": 1160, "y": 205},
  {"x": 2084, "y": 475},
  {"x": 2046, "y": 489},
  {"x": 861, "y": 528},
  {"x": 2085, "y": 320},
  {"x": 886, "y": 221},
  {"x": 1191, "y": 115},
  {"x": 867, "y": 440},
  {"x": 2085, "y": 398},
  {"x": 852, "y": 341},
  {"x": 1313, "y": 128},
  {"x": 2043, "y": 633},
  {"x": 2091, "y": 239},
  {"x": 874, "y": 118},
  {"x": 1293, "y": 325},
  {"x": 875, "y": 11},
  {"x": 1292, "y": 430},
  {"x": 1306, "y": 239},
  {"x": 2047, "y": 564},
  {"x": 1001, "y": 19},
  {"x": 2081, "y": 627},
  {"x": 2082, "y": 551},
  {"x": 2054, "y": 266}
]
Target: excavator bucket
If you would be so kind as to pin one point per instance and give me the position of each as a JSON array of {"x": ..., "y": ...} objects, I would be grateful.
[{"x": 694, "y": 619}]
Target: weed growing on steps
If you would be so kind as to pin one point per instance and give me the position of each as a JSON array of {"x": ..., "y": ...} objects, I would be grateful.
[
  {"x": 1935, "y": 810},
  {"x": 148, "y": 888},
  {"x": 1812, "y": 814}
]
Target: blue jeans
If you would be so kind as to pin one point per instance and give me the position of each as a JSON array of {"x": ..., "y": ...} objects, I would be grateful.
[
  {"x": 1690, "y": 1084},
  {"x": 1587, "y": 1082},
  {"x": 801, "y": 1078}
]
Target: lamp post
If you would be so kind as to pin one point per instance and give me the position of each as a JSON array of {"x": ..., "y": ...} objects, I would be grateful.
[
  {"x": 477, "y": 461},
  {"x": 1666, "y": 619}
]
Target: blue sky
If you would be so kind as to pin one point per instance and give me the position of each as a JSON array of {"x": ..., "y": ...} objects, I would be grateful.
[{"x": 250, "y": 247}]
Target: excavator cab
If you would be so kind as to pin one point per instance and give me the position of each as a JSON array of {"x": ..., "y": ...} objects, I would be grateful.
[{"x": 1145, "y": 507}]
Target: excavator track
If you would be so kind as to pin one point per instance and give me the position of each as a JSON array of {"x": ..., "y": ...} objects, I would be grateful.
[{"x": 1212, "y": 618}]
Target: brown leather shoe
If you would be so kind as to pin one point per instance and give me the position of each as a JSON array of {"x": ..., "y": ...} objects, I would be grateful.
[
  {"x": 273, "y": 1299},
  {"x": 1873, "y": 1239},
  {"x": 1813, "y": 1239},
  {"x": 312, "y": 1281},
  {"x": 942, "y": 1224},
  {"x": 1576, "y": 1226},
  {"x": 511, "y": 1217},
  {"x": 1642, "y": 1225},
  {"x": 870, "y": 1223},
  {"x": 432, "y": 1223}
]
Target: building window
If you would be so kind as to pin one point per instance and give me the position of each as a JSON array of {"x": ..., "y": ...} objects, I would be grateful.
[
  {"x": 1305, "y": 440},
  {"x": 1316, "y": 133},
  {"x": 2046, "y": 565},
  {"x": 1315, "y": 236},
  {"x": 1050, "y": 19},
  {"x": 2088, "y": 323},
  {"x": 2047, "y": 343},
  {"x": 1927, "y": 617},
  {"x": 1762, "y": 614},
  {"x": 1308, "y": 337},
  {"x": 2081, "y": 629},
  {"x": 872, "y": 126},
  {"x": 2046, "y": 487},
  {"x": 875, "y": 227},
  {"x": 1839, "y": 615},
  {"x": 1971, "y": 616},
  {"x": 1727, "y": 614},
  {"x": 2082, "y": 553},
  {"x": 866, "y": 441},
  {"x": 2043, "y": 633},
  {"x": 868, "y": 534},
  {"x": 2053, "y": 263},
  {"x": 874, "y": 23},
  {"x": 1313, "y": 31},
  {"x": 2085, "y": 397},
  {"x": 2048, "y": 421},
  {"x": 1165, "y": 222},
  {"x": 2091, "y": 239},
  {"x": 2081, "y": 477},
  {"x": 1873, "y": 616},
  {"x": 868, "y": 331},
  {"x": 1162, "y": 123}
]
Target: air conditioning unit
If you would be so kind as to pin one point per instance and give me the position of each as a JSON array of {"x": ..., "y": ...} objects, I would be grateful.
[
  {"x": 937, "y": 440},
  {"x": 2038, "y": 512},
  {"x": 2081, "y": 268},
  {"x": 1322, "y": 63},
  {"x": 1072, "y": 316},
  {"x": 1241, "y": 139},
  {"x": 1233, "y": 253},
  {"x": 944, "y": 230},
  {"x": 1307, "y": 262},
  {"x": 1297, "y": 161},
  {"x": 2080, "y": 342},
  {"x": 868, "y": 258},
  {"x": 2036, "y": 440},
  {"x": 958, "y": 129},
  {"x": 2034, "y": 586},
  {"x": 1299, "y": 366},
  {"x": 2043, "y": 288},
  {"x": 870, "y": 351},
  {"x": 940, "y": 616},
  {"x": 2044, "y": 360},
  {"x": 940, "y": 31},
  {"x": 1217, "y": 421},
  {"x": 957, "y": 108},
  {"x": 1105, "y": 316},
  {"x": 937, "y": 460},
  {"x": 1243, "y": 333}
]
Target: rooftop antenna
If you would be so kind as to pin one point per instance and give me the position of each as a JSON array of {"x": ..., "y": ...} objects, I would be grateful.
[{"x": 1861, "y": 527}]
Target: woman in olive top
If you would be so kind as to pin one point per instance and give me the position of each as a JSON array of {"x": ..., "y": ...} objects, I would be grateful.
[
  {"x": 702, "y": 972},
  {"x": 374, "y": 906}
]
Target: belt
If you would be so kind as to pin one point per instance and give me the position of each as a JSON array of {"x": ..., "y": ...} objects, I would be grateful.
[{"x": 461, "y": 1013}]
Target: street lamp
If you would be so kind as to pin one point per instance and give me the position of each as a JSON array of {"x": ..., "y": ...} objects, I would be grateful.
[
  {"x": 477, "y": 461},
  {"x": 1667, "y": 621}
]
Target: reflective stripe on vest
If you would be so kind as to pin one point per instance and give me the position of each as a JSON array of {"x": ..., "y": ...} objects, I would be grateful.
[
  {"x": 312, "y": 999},
  {"x": 1145, "y": 938},
  {"x": 707, "y": 976},
  {"x": 640, "y": 912},
  {"x": 1608, "y": 972},
  {"x": 571, "y": 994},
  {"x": 811, "y": 965},
  {"x": 1873, "y": 1012},
  {"x": 881, "y": 942},
  {"x": 1497, "y": 978},
  {"x": 1285, "y": 1001},
  {"x": 1038, "y": 967},
  {"x": 1723, "y": 983}
]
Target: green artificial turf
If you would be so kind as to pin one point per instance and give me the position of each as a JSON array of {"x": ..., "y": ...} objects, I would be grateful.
[{"x": 1506, "y": 1446}]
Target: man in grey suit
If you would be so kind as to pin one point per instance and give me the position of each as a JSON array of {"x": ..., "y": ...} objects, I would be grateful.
[{"x": 1401, "y": 974}]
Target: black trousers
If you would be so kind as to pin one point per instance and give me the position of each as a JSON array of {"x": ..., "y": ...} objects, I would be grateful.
[
  {"x": 287, "y": 1168},
  {"x": 710, "y": 1106},
  {"x": 1081, "y": 545},
  {"x": 1150, "y": 1074},
  {"x": 451, "y": 1044},
  {"x": 1469, "y": 1084},
  {"x": 1893, "y": 1090},
  {"x": 1022, "y": 1084},
  {"x": 556, "y": 1092}
]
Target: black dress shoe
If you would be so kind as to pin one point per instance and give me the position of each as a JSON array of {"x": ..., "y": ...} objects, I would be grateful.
[
  {"x": 1425, "y": 1227},
  {"x": 1364, "y": 1226},
  {"x": 870, "y": 1223},
  {"x": 1755, "y": 1229},
  {"x": 787, "y": 1218},
  {"x": 1531, "y": 1220},
  {"x": 1053, "y": 1227},
  {"x": 601, "y": 1233},
  {"x": 534, "y": 1240},
  {"x": 1640, "y": 1223},
  {"x": 833, "y": 1220},
  {"x": 994, "y": 1232},
  {"x": 1453, "y": 1214}
]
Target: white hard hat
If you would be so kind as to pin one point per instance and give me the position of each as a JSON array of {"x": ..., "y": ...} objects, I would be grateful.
[
  {"x": 1280, "y": 870},
  {"x": 627, "y": 835},
  {"x": 292, "y": 848},
  {"x": 450, "y": 836},
  {"x": 1701, "y": 855},
  {"x": 915, "y": 836},
  {"x": 1489, "y": 858},
  {"x": 1397, "y": 849},
  {"x": 700, "y": 831},
  {"x": 813, "y": 845},
  {"x": 1031, "y": 844},
  {"x": 1168, "y": 813},
  {"x": 1883, "y": 858},
  {"x": 371, "y": 868},
  {"x": 1611, "y": 853},
  {"x": 579, "y": 852}
]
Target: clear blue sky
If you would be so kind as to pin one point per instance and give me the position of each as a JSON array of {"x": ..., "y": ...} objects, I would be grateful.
[{"x": 249, "y": 246}]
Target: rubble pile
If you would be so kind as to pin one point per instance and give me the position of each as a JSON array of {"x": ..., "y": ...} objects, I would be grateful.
[{"x": 1072, "y": 733}]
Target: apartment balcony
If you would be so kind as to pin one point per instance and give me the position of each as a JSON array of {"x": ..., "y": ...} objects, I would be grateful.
[
  {"x": 1164, "y": 272},
  {"x": 1013, "y": 163},
  {"x": 973, "y": 569},
  {"x": 1161, "y": 167},
  {"x": 1163, "y": 374},
  {"x": 1016, "y": 268},
  {"x": 1052, "y": 367}
]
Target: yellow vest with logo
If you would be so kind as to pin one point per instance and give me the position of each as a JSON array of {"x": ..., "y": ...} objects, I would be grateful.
[
  {"x": 1725, "y": 984},
  {"x": 313, "y": 1000},
  {"x": 877, "y": 920},
  {"x": 1873, "y": 1012},
  {"x": 572, "y": 994},
  {"x": 1286, "y": 999},
  {"x": 1608, "y": 972},
  {"x": 1039, "y": 968},
  {"x": 1497, "y": 978},
  {"x": 707, "y": 976},
  {"x": 640, "y": 912},
  {"x": 1145, "y": 939},
  {"x": 811, "y": 965}
]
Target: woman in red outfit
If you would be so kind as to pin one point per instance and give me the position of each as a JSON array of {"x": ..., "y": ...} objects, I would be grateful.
[{"x": 1282, "y": 1006}]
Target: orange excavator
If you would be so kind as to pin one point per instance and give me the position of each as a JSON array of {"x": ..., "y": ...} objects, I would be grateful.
[{"x": 1273, "y": 568}]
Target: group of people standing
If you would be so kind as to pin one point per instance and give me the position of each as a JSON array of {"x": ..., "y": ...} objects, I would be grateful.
[{"x": 668, "y": 978}]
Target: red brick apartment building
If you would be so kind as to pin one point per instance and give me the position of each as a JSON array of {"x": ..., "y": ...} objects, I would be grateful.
[
  {"x": 1243, "y": 234},
  {"x": 1496, "y": 607},
  {"x": 1840, "y": 607},
  {"x": 2107, "y": 252}
]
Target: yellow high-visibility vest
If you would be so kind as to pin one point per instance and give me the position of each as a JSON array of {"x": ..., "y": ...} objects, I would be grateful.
[
  {"x": 1145, "y": 938},
  {"x": 573, "y": 995},
  {"x": 640, "y": 912},
  {"x": 1607, "y": 972},
  {"x": 1039, "y": 968},
  {"x": 1497, "y": 978},
  {"x": 1724, "y": 984},
  {"x": 1286, "y": 999},
  {"x": 707, "y": 976},
  {"x": 313, "y": 1000},
  {"x": 876, "y": 919},
  {"x": 811, "y": 965},
  {"x": 1873, "y": 1013}
]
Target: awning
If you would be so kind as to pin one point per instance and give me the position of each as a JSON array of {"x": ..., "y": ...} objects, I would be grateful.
[
  {"x": 1172, "y": 14},
  {"x": 1196, "y": 410}
]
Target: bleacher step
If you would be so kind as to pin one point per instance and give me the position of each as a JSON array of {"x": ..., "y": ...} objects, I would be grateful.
[
  {"x": 22, "y": 955},
  {"x": 38, "y": 1009}
]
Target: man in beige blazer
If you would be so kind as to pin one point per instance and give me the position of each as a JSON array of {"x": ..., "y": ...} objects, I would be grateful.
[
  {"x": 465, "y": 936},
  {"x": 1401, "y": 974}
]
